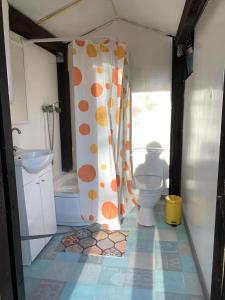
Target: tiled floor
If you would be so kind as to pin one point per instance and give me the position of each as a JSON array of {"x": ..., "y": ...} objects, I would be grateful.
[{"x": 157, "y": 265}]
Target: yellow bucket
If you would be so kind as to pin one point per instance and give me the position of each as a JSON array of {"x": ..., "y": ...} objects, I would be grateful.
[{"x": 173, "y": 205}]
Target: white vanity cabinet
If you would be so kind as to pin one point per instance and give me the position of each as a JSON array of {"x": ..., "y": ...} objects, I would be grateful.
[{"x": 36, "y": 209}]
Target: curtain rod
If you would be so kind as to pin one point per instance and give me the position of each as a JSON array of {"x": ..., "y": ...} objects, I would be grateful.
[
  {"x": 82, "y": 37},
  {"x": 65, "y": 39}
]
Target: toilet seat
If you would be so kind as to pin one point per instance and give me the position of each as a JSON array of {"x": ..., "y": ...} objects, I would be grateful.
[{"x": 148, "y": 183}]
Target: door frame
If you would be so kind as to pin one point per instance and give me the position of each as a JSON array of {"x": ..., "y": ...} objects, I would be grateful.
[
  {"x": 11, "y": 275},
  {"x": 218, "y": 279}
]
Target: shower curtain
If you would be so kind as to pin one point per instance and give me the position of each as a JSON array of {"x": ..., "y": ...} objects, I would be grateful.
[{"x": 103, "y": 125}]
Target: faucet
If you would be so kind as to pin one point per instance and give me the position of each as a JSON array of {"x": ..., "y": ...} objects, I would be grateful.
[
  {"x": 16, "y": 129},
  {"x": 15, "y": 148}
]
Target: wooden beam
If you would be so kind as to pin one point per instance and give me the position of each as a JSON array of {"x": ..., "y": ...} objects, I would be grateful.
[
  {"x": 218, "y": 279},
  {"x": 178, "y": 84},
  {"x": 9, "y": 214},
  {"x": 27, "y": 28},
  {"x": 65, "y": 115},
  {"x": 191, "y": 14}
]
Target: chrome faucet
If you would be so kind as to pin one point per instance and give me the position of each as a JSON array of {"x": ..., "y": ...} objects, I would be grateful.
[
  {"x": 15, "y": 148},
  {"x": 16, "y": 129}
]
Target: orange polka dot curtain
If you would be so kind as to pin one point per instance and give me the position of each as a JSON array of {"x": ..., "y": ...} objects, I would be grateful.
[{"x": 103, "y": 124}]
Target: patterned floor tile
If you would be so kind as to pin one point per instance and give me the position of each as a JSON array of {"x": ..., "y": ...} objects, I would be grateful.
[
  {"x": 166, "y": 247},
  {"x": 49, "y": 252},
  {"x": 166, "y": 235},
  {"x": 170, "y": 296},
  {"x": 37, "y": 268},
  {"x": 168, "y": 262},
  {"x": 47, "y": 289},
  {"x": 60, "y": 270},
  {"x": 112, "y": 276},
  {"x": 140, "y": 245},
  {"x": 192, "y": 284},
  {"x": 68, "y": 256},
  {"x": 182, "y": 235},
  {"x": 112, "y": 261},
  {"x": 169, "y": 282},
  {"x": 101, "y": 292},
  {"x": 90, "y": 259},
  {"x": 89, "y": 242},
  {"x": 141, "y": 260},
  {"x": 188, "y": 264},
  {"x": 137, "y": 293},
  {"x": 157, "y": 265},
  {"x": 86, "y": 273},
  {"x": 191, "y": 297},
  {"x": 184, "y": 248},
  {"x": 139, "y": 278},
  {"x": 73, "y": 291},
  {"x": 29, "y": 285}
]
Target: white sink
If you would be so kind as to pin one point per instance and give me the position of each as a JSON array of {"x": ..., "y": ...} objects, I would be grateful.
[{"x": 33, "y": 161}]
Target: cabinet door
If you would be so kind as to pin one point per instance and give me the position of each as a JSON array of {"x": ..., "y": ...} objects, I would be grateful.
[
  {"x": 33, "y": 203},
  {"x": 48, "y": 203}
]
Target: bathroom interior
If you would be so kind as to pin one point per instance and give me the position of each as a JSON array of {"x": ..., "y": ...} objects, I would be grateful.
[{"x": 105, "y": 124}]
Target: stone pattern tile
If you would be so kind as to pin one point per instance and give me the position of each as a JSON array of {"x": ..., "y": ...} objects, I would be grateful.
[
  {"x": 94, "y": 241},
  {"x": 157, "y": 265}
]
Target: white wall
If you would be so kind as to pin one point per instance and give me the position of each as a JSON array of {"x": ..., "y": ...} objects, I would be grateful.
[
  {"x": 151, "y": 71},
  {"x": 41, "y": 86},
  {"x": 202, "y": 126}
]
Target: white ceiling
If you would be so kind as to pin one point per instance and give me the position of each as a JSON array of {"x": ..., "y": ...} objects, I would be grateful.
[{"x": 85, "y": 15}]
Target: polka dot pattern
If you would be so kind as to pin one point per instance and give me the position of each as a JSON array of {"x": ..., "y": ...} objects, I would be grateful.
[
  {"x": 107, "y": 86},
  {"x": 117, "y": 116},
  {"x": 80, "y": 43},
  {"x": 84, "y": 129},
  {"x": 102, "y": 184},
  {"x": 104, "y": 48},
  {"x": 77, "y": 76},
  {"x": 111, "y": 103},
  {"x": 104, "y": 167},
  {"x": 99, "y": 70},
  {"x": 91, "y": 50},
  {"x": 91, "y": 218},
  {"x": 94, "y": 148},
  {"x": 122, "y": 209},
  {"x": 83, "y": 105},
  {"x": 87, "y": 173},
  {"x": 120, "y": 52},
  {"x": 101, "y": 116},
  {"x": 114, "y": 185},
  {"x": 96, "y": 90},
  {"x": 92, "y": 194},
  {"x": 127, "y": 145},
  {"x": 109, "y": 210},
  {"x": 102, "y": 98}
]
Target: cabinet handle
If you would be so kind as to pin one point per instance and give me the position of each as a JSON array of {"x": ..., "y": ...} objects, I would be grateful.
[
  {"x": 42, "y": 180},
  {"x": 37, "y": 182}
]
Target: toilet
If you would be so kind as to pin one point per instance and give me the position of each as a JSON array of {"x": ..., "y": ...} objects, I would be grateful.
[
  {"x": 148, "y": 189},
  {"x": 148, "y": 182}
]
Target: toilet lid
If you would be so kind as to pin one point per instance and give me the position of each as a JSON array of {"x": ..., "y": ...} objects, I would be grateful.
[{"x": 148, "y": 182}]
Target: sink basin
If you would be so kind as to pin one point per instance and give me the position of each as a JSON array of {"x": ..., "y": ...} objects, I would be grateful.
[{"x": 33, "y": 161}]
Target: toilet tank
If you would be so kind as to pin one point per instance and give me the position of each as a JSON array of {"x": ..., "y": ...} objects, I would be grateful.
[{"x": 148, "y": 161}]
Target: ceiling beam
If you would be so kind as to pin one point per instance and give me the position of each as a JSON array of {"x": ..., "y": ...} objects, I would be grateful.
[
  {"x": 24, "y": 26},
  {"x": 58, "y": 11},
  {"x": 191, "y": 14}
]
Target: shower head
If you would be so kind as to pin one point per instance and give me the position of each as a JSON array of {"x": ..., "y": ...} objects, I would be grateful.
[{"x": 51, "y": 108}]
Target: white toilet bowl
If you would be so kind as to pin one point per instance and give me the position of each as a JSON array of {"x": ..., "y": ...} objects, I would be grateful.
[{"x": 148, "y": 189}]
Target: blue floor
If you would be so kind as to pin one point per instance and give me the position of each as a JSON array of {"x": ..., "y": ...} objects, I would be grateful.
[{"x": 157, "y": 265}]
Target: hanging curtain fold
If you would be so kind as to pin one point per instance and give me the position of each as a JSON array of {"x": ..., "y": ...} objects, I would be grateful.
[{"x": 103, "y": 131}]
